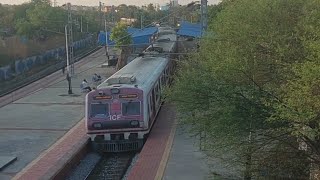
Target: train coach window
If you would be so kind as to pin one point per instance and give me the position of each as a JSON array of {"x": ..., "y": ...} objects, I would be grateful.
[
  {"x": 99, "y": 110},
  {"x": 157, "y": 92},
  {"x": 130, "y": 108},
  {"x": 163, "y": 81}
]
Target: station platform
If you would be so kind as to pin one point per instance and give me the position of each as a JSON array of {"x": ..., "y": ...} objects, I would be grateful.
[
  {"x": 170, "y": 153},
  {"x": 34, "y": 117}
]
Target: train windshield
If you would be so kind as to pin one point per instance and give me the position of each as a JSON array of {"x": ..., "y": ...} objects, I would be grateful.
[
  {"x": 99, "y": 110},
  {"x": 130, "y": 108}
]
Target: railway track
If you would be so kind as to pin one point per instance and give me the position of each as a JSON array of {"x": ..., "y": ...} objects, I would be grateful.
[{"x": 112, "y": 166}]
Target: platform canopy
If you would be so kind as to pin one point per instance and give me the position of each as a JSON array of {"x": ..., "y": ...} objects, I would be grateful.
[
  {"x": 142, "y": 36},
  {"x": 139, "y": 36},
  {"x": 102, "y": 38},
  {"x": 189, "y": 29}
]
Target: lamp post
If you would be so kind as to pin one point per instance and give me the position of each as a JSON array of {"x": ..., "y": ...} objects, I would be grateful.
[{"x": 68, "y": 63}]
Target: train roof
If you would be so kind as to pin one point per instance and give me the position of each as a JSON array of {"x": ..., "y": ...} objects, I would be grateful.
[
  {"x": 164, "y": 43},
  {"x": 142, "y": 72},
  {"x": 161, "y": 47},
  {"x": 170, "y": 37},
  {"x": 166, "y": 30}
]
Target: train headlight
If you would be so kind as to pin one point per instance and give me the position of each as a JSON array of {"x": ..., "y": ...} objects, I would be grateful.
[
  {"x": 134, "y": 123},
  {"x": 97, "y": 125}
]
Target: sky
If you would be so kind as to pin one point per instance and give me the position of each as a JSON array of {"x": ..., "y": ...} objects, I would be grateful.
[{"x": 109, "y": 2}]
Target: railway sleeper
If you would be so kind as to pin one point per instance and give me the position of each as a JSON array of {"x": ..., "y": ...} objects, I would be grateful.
[{"x": 117, "y": 146}]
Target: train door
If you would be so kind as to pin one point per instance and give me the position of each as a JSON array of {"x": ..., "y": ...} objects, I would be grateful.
[
  {"x": 154, "y": 102},
  {"x": 150, "y": 109},
  {"x": 152, "y": 105},
  {"x": 166, "y": 76},
  {"x": 162, "y": 82},
  {"x": 156, "y": 90}
]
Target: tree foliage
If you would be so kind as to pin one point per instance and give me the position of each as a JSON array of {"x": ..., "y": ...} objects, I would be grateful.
[
  {"x": 147, "y": 15},
  {"x": 253, "y": 88},
  {"x": 39, "y": 19},
  {"x": 122, "y": 38},
  {"x": 120, "y": 35}
]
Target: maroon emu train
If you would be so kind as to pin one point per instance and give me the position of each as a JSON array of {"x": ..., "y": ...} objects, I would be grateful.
[{"x": 122, "y": 110}]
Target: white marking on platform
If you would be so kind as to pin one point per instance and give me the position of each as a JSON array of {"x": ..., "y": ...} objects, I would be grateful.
[{"x": 6, "y": 160}]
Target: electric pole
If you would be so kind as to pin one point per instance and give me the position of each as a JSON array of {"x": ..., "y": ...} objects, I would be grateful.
[
  {"x": 81, "y": 24},
  {"x": 68, "y": 60},
  {"x": 87, "y": 27},
  {"x": 70, "y": 40},
  {"x": 112, "y": 14},
  {"x": 105, "y": 29},
  {"x": 204, "y": 16},
  {"x": 100, "y": 13},
  {"x": 141, "y": 21}
]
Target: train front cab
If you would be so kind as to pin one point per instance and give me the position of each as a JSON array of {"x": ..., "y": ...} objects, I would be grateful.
[{"x": 115, "y": 119}]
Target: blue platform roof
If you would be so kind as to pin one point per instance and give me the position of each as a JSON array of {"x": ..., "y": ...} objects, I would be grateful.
[
  {"x": 102, "y": 38},
  {"x": 142, "y": 32},
  {"x": 139, "y": 36},
  {"x": 189, "y": 29},
  {"x": 132, "y": 30},
  {"x": 188, "y": 25}
]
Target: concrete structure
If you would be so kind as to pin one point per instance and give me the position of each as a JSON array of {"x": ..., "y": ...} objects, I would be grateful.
[
  {"x": 108, "y": 8},
  {"x": 164, "y": 8},
  {"x": 128, "y": 21},
  {"x": 174, "y": 3}
]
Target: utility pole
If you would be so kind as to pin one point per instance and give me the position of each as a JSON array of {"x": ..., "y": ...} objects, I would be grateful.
[
  {"x": 81, "y": 24},
  {"x": 87, "y": 27},
  {"x": 70, "y": 39},
  {"x": 68, "y": 60},
  {"x": 113, "y": 15},
  {"x": 141, "y": 21},
  {"x": 107, "y": 48},
  {"x": 204, "y": 16},
  {"x": 105, "y": 29},
  {"x": 100, "y": 13}
]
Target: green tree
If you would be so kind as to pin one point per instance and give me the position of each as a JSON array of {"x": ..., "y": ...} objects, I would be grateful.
[
  {"x": 300, "y": 94},
  {"x": 90, "y": 18},
  {"x": 123, "y": 40},
  {"x": 39, "y": 17},
  {"x": 257, "y": 58},
  {"x": 7, "y": 16},
  {"x": 25, "y": 28},
  {"x": 20, "y": 11}
]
